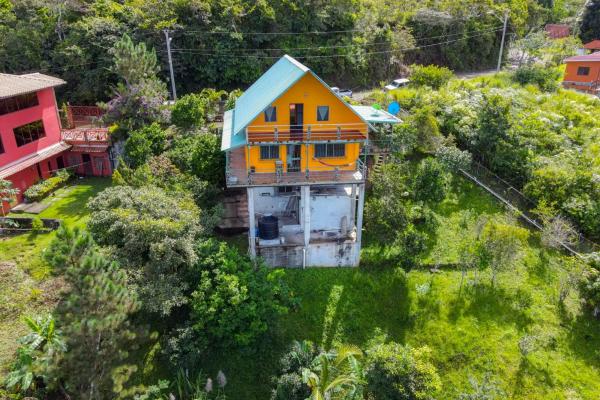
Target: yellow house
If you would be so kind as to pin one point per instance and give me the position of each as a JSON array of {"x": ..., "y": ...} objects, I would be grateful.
[{"x": 296, "y": 147}]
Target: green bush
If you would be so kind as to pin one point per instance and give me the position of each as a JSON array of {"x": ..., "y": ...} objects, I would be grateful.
[
  {"x": 144, "y": 143},
  {"x": 396, "y": 372},
  {"x": 189, "y": 111},
  {"x": 545, "y": 78},
  {"x": 430, "y": 75},
  {"x": 37, "y": 225},
  {"x": 235, "y": 300},
  {"x": 44, "y": 188},
  {"x": 430, "y": 182}
]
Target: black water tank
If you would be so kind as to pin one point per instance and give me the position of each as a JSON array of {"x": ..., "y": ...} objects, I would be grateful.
[{"x": 268, "y": 227}]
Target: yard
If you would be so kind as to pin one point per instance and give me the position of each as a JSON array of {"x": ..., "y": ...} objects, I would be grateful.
[
  {"x": 25, "y": 285},
  {"x": 516, "y": 332}
]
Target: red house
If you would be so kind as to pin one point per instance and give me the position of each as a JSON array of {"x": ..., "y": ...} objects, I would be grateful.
[{"x": 33, "y": 144}]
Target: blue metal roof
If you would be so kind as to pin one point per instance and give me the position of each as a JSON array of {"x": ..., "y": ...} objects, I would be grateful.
[
  {"x": 229, "y": 140},
  {"x": 375, "y": 116},
  {"x": 272, "y": 84}
]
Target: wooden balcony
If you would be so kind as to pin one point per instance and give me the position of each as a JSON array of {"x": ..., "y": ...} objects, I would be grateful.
[
  {"x": 318, "y": 133},
  {"x": 83, "y": 116}
]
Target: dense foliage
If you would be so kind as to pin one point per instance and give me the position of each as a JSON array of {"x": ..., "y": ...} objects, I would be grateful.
[
  {"x": 396, "y": 372},
  {"x": 430, "y": 75},
  {"x": 216, "y": 43},
  {"x": 590, "y": 22},
  {"x": 543, "y": 143},
  {"x": 145, "y": 142},
  {"x": 234, "y": 300},
  {"x": 152, "y": 234}
]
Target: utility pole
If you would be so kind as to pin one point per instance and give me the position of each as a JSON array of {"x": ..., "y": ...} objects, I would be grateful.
[
  {"x": 501, "y": 43},
  {"x": 168, "y": 40}
]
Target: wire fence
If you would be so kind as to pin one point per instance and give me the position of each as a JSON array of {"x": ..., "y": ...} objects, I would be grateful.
[{"x": 517, "y": 201}]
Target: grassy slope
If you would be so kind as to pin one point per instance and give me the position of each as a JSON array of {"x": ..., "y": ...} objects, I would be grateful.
[
  {"x": 470, "y": 335},
  {"x": 25, "y": 285}
]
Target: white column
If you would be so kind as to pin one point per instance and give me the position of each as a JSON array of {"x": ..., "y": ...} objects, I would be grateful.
[
  {"x": 359, "y": 220},
  {"x": 352, "y": 207},
  {"x": 251, "y": 222},
  {"x": 306, "y": 219}
]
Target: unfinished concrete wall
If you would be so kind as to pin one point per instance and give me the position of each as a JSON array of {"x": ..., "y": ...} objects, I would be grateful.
[{"x": 327, "y": 211}]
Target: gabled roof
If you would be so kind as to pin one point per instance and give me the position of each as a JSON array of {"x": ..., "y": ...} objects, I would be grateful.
[
  {"x": 272, "y": 84},
  {"x": 269, "y": 87},
  {"x": 14, "y": 85},
  {"x": 588, "y": 57},
  {"x": 593, "y": 45},
  {"x": 558, "y": 31}
]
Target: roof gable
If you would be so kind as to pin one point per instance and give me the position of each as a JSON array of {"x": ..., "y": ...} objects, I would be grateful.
[
  {"x": 272, "y": 84},
  {"x": 588, "y": 57}
]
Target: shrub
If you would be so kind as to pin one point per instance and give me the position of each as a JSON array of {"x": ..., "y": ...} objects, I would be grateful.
[
  {"x": 397, "y": 372},
  {"x": 144, "y": 143},
  {"x": 234, "y": 301},
  {"x": 545, "y": 78},
  {"x": 289, "y": 384},
  {"x": 37, "y": 225},
  {"x": 44, "y": 188},
  {"x": 430, "y": 181},
  {"x": 589, "y": 284},
  {"x": 430, "y": 75},
  {"x": 189, "y": 111}
]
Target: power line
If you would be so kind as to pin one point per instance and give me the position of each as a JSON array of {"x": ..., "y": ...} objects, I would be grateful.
[
  {"x": 229, "y": 55},
  {"x": 193, "y": 50}
]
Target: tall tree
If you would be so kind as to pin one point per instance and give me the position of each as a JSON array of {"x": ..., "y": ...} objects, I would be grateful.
[
  {"x": 590, "y": 22},
  {"x": 94, "y": 316}
]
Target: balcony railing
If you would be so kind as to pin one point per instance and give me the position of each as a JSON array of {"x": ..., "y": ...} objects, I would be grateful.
[
  {"x": 325, "y": 174},
  {"x": 83, "y": 116},
  {"x": 85, "y": 135},
  {"x": 315, "y": 133}
]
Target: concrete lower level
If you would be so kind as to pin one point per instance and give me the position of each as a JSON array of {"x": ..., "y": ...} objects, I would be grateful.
[{"x": 317, "y": 225}]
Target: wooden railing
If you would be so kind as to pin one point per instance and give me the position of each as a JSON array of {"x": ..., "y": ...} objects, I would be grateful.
[
  {"x": 85, "y": 135},
  {"x": 83, "y": 116},
  {"x": 306, "y": 133}
]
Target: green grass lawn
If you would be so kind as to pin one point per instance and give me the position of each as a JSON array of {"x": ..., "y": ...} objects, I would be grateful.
[
  {"x": 25, "y": 285},
  {"x": 471, "y": 334}
]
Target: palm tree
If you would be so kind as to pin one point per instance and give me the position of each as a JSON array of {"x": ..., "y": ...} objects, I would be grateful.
[
  {"x": 336, "y": 375},
  {"x": 7, "y": 193}
]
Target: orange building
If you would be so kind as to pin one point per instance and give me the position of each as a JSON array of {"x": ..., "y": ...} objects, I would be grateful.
[
  {"x": 583, "y": 73},
  {"x": 294, "y": 155}
]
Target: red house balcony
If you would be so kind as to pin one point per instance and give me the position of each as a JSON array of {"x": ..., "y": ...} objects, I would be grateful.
[{"x": 84, "y": 131}]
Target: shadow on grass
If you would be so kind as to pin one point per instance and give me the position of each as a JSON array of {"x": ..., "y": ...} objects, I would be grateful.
[
  {"x": 583, "y": 336},
  {"x": 529, "y": 369},
  {"x": 74, "y": 204},
  {"x": 492, "y": 304}
]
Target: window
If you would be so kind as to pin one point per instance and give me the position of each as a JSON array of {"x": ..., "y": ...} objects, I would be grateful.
[
  {"x": 269, "y": 152},
  {"x": 271, "y": 114},
  {"x": 330, "y": 150},
  {"x": 1, "y": 147},
  {"x": 583, "y": 70},
  {"x": 17, "y": 103},
  {"x": 29, "y": 133},
  {"x": 322, "y": 113}
]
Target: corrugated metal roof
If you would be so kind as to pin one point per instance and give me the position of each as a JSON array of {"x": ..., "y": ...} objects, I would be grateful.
[
  {"x": 14, "y": 85},
  {"x": 32, "y": 159},
  {"x": 593, "y": 45},
  {"x": 588, "y": 57},
  {"x": 375, "y": 116},
  {"x": 230, "y": 141},
  {"x": 272, "y": 84}
]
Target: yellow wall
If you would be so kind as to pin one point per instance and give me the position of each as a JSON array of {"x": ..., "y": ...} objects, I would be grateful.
[
  {"x": 352, "y": 154},
  {"x": 310, "y": 92}
]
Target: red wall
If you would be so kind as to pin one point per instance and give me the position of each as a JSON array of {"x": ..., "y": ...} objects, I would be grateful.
[
  {"x": 46, "y": 111},
  {"x": 571, "y": 74}
]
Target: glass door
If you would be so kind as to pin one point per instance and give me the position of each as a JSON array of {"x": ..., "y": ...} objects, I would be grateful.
[
  {"x": 296, "y": 121},
  {"x": 294, "y": 157}
]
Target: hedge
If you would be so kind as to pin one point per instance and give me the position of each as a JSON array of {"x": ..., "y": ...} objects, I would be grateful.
[{"x": 42, "y": 189}]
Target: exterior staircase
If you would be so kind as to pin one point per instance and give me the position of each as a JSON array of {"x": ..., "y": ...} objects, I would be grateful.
[{"x": 235, "y": 216}]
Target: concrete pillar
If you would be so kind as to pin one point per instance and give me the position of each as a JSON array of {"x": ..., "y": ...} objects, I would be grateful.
[
  {"x": 306, "y": 219},
  {"x": 352, "y": 207},
  {"x": 251, "y": 222},
  {"x": 359, "y": 220}
]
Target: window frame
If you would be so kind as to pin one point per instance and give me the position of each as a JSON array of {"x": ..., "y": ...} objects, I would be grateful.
[
  {"x": 582, "y": 68},
  {"x": 34, "y": 128},
  {"x": 1, "y": 146},
  {"x": 18, "y": 103},
  {"x": 319, "y": 116},
  {"x": 272, "y": 149},
  {"x": 274, "y": 108},
  {"x": 329, "y": 151}
]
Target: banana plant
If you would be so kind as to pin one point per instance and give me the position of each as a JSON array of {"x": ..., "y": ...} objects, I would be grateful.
[{"x": 336, "y": 375}]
